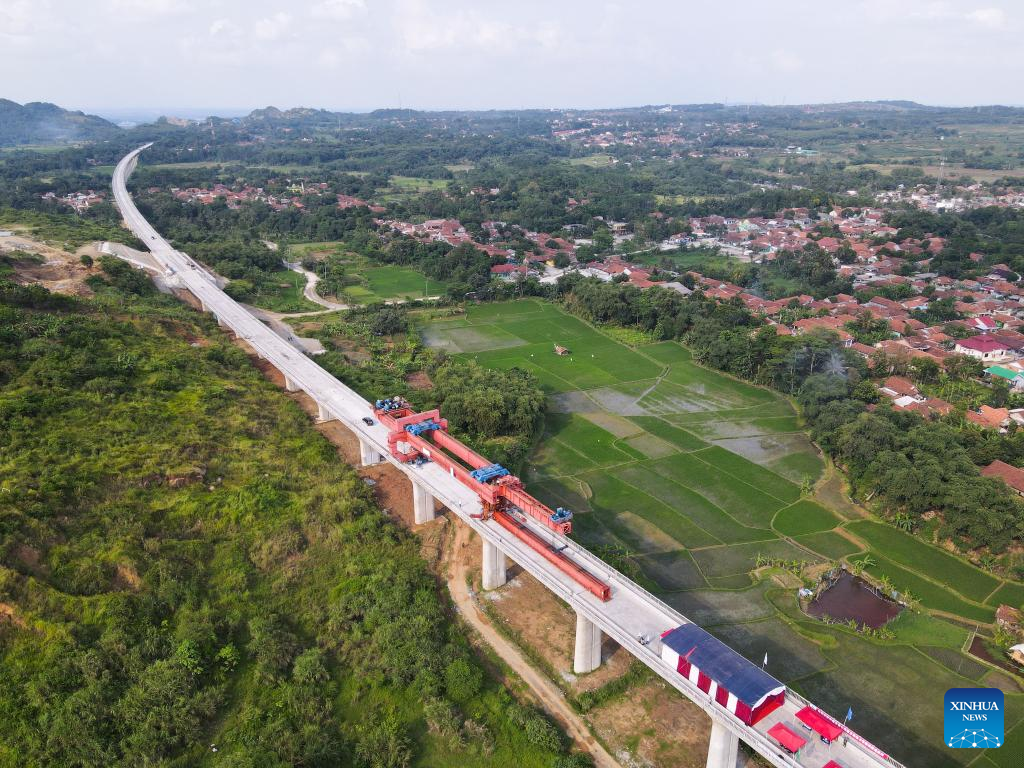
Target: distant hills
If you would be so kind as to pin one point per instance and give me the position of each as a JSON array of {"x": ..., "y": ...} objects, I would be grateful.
[{"x": 42, "y": 123}]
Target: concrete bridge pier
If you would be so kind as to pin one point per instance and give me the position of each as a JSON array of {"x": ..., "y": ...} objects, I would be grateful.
[
  {"x": 368, "y": 455},
  {"x": 422, "y": 504},
  {"x": 723, "y": 751},
  {"x": 290, "y": 385},
  {"x": 322, "y": 414},
  {"x": 495, "y": 566},
  {"x": 588, "y": 646}
]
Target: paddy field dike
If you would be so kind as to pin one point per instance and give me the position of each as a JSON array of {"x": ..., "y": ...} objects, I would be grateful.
[{"x": 690, "y": 478}]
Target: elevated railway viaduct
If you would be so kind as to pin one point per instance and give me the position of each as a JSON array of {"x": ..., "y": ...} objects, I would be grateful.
[{"x": 743, "y": 702}]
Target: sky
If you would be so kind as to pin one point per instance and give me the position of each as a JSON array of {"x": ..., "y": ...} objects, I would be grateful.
[{"x": 229, "y": 56}]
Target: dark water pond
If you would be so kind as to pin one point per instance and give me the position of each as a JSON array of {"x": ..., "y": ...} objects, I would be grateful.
[
  {"x": 850, "y": 597},
  {"x": 979, "y": 649}
]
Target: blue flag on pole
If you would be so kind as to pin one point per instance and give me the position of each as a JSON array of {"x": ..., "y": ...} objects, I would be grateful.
[{"x": 849, "y": 713}]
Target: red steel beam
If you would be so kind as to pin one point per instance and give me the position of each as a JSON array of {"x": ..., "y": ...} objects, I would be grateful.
[
  {"x": 535, "y": 509},
  {"x": 569, "y": 567},
  {"x": 438, "y": 444},
  {"x": 460, "y": 450}
]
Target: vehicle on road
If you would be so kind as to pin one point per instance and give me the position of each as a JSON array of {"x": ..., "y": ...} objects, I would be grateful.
[{"x": 367, "y": 421}]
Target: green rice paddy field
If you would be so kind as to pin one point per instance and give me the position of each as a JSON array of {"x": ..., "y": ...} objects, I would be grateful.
[
  {"x": 695, "y": 474},
  {"x": 391, "y": 282},
  {"x": 376, "y": 282}
]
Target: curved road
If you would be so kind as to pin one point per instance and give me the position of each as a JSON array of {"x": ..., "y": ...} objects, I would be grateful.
[{"x": 310, "y": 290}]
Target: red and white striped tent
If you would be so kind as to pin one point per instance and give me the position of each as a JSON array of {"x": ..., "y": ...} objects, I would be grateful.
[{"x": 742, "y": 688}]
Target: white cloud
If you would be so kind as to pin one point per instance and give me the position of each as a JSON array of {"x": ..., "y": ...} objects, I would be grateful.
[
  {"x": 19, "y": 19},
  {"x": 154, "y": 7},
  {"x": 16, "y": 14},
  {"x": 273, "y": 27},
  {"x": 338, "y": 10},
  {"x": 329, "y": 57},
  {"x": 424, "y": 29},
  {"x": 988, "y": 17},
  {"x": 224, "y": 28},
  {"x": 946, "y": 13},
  {"x": 526, "y": 53},
  {"x": 342, "y": 50},
  {"x": 785, "y": 61}
]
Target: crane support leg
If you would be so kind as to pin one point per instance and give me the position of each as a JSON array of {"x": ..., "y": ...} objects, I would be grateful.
[
  {"x": 495, "y": 566},
  {"x": 723, "y": 751},
  {"x": 588, "y": 646},
  {"x": 368, "y": 455},
  {"x": 422, "y": 504}
]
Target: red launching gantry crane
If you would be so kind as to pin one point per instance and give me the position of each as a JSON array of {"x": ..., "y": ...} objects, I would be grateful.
[{"x": 421, "y": 437}]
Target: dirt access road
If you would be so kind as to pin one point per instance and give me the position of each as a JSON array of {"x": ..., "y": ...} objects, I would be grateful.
[
  {"x": 546, "y": 692},
  {"x": 454, "y": 563}
]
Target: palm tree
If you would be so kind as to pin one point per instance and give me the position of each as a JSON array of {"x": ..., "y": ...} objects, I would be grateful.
[
  {"x": 885, "y": 583},
  {"x": 863, "y": 564},
  {"x": 903, "y": 521}
]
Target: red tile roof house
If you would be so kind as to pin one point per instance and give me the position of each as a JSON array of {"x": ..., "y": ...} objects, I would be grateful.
[
  {"x": 897, "y": 386},
  {"x": 830, "y": 244},
  {"x": 985, "y": 348},
  {"x": 935, "y": 406},
  {"x": 1006, "y": 615},
  {"x": 348, "y": 201},
  {"x": 901, "y": 350},
  {"x": 990, "y": 418},
  {"x": 918, "y": 302},
  {"x": 862, "y": 349},
  {"x": 1012, "y": 339},
  {"x": 1008, "y": 321},
  {"x": 508, "y": 271},
  {"x": 983, "y": 323},
  {"x": 936, "y": 337},
  {"x": 884, "y": 303},
  {"x": 1008, "y": 473}
]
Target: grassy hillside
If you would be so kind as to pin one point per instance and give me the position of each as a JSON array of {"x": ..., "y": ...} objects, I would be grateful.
[{"x": 189, "y": 574}]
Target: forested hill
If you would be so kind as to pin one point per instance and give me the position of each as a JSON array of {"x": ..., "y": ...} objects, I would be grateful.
[
  {"x": 42, "y": 123},
  {"x": 189, "y": 576}
]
